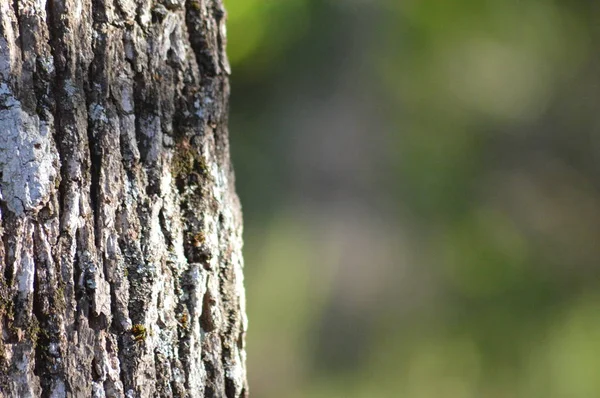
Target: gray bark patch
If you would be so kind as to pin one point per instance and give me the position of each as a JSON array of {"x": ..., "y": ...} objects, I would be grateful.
[{"x": 27, "y": 157}]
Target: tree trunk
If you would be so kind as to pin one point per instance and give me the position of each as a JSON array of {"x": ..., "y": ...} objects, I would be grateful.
[{"x": 121, "y": 231}]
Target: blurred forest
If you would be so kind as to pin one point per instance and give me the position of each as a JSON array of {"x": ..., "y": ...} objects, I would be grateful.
[{"x": 421, "y": 192}]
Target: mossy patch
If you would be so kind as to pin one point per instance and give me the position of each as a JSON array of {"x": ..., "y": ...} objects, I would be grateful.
[
  {"x": 198, "y": 239},
  {"x": 6, "y": 307},
  {"x": 60, "y": 303},
  {"x": 195, "y": 4},
  {"x": 139, "y": 332},
  {"x": 186, "y": 160},
  {"x": 33, "y": 330}
]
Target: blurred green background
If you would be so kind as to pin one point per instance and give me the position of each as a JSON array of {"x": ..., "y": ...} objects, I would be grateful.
[{"x": 421, "y": 192}]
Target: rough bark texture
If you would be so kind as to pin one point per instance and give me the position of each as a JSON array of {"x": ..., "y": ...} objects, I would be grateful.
[{"x": 120, "y": 258}]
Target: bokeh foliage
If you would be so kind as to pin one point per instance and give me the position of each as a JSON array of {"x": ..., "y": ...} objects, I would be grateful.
[{"x": 421, "y": 189}]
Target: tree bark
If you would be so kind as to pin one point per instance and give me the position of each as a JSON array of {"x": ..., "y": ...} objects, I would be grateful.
[{"x": 121, "y": 267}]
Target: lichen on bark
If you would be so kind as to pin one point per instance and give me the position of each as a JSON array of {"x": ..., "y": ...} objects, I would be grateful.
[{"x": 121, "y": 267}]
